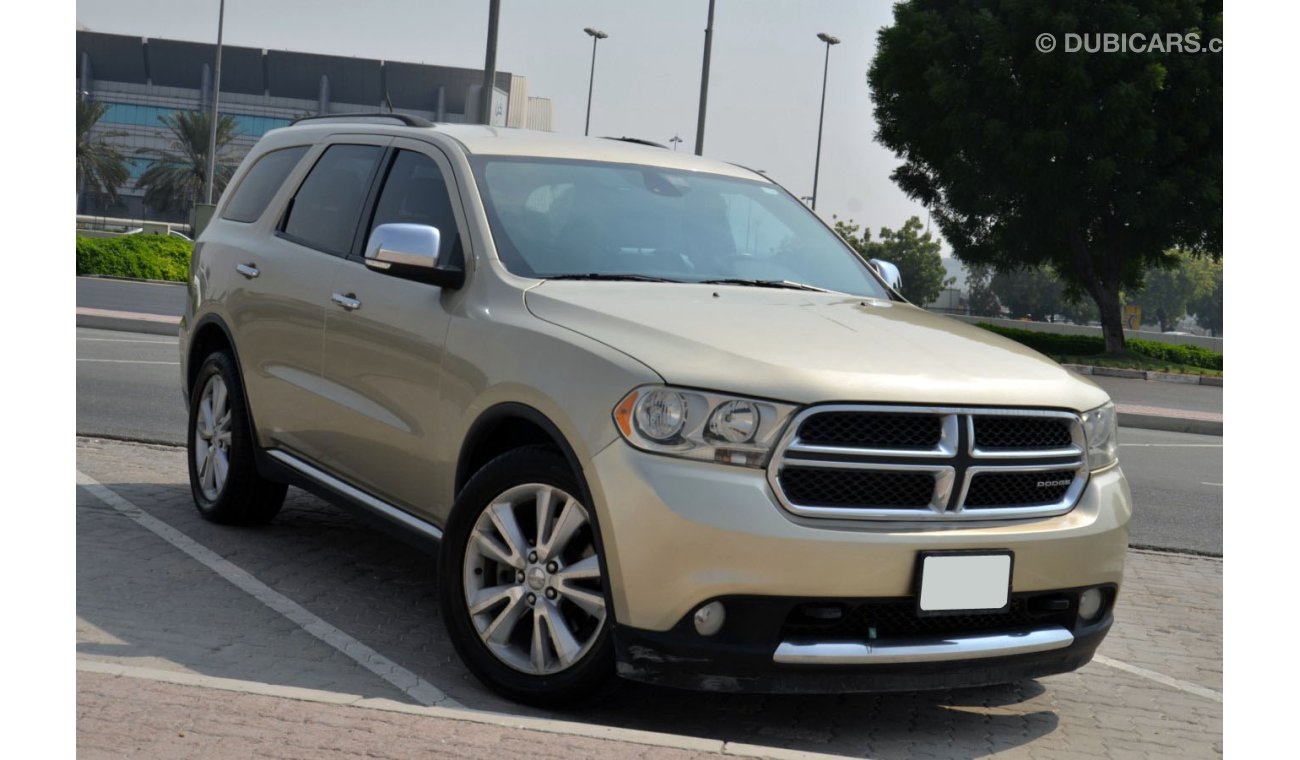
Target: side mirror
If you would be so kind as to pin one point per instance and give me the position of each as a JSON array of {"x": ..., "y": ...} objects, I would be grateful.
[
  {"x": 889, "y": 273},
  {"x": 410, "y": 251}
]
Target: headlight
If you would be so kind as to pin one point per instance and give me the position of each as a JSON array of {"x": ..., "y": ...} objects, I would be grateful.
[
  {"x": 1099, "y": 428},
  {"x": 701, "y": 425}
]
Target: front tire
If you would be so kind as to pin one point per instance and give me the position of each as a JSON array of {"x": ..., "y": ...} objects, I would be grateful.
[
  {"x": 223, "y": 474},
  {"x": 522, "y": 586}
]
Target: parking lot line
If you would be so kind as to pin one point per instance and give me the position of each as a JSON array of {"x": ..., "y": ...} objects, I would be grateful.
[
  {"x": 1151, "y": 675},
  {"x": 404, "y": 680}
]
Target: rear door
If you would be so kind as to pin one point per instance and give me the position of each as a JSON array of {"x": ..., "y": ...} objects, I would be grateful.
[
  {"x": 383, "y": 358},
  {"x": 280, "y": 313}
]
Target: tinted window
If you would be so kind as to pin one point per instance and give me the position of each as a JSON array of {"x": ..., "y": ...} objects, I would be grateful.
[
  {"x": 325, "y": 211},
  {"x": 260, "y": 183},
  {"x": 415, "y": 193}
]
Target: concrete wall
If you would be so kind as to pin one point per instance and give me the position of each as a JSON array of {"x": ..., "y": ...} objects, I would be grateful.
[{"x": 1214, "y": 344}]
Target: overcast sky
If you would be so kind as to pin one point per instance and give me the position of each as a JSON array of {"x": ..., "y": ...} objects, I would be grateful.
[{"x": 764, "y": 87}]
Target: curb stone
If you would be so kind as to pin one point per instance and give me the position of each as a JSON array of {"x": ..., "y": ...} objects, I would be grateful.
[{"x": 1145, "y": 374}]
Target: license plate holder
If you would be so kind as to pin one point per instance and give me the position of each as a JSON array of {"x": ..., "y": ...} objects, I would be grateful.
[{"x": 963, "y": 582}]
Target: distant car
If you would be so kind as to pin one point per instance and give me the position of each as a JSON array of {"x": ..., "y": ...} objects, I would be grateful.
[{"x": 172, "y": 233}]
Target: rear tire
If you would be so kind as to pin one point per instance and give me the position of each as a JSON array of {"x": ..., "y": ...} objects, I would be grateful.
[
  {"x": 223, "y": 473},
  {"x": 521, "y": 544}
]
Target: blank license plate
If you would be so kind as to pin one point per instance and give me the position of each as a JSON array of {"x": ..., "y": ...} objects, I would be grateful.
[{"x": 964, "y": 582}]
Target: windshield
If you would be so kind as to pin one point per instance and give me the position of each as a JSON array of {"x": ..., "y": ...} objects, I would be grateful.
[{"x": 564, "y": 218}]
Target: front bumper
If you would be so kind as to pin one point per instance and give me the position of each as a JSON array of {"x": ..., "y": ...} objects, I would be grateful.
[{"x": 678, "y": 534}]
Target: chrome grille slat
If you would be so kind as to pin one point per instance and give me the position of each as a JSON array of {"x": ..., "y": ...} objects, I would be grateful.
[{"x": 886, "y": 453}]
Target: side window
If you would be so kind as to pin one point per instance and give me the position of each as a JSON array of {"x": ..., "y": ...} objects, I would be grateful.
[
  {"x": 260, "y": 183},
  {"x": 416, "y": 193},
  {"x": 325, "y": 211}
]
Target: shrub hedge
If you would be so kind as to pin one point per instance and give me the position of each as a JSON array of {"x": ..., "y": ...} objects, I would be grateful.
[
  {"x": 140, "y": 256},
  {"x": 1055, "y": 344}
]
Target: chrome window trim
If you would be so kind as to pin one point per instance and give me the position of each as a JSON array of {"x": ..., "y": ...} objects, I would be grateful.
[{"x": 789, "y": 452}]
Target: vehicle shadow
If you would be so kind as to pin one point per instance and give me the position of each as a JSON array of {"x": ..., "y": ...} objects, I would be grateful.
[{"x": 142, "y": 601}]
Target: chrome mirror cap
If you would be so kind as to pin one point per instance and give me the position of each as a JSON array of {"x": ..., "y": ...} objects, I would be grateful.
[
  {"x": 410, "y": 245},
  {"x": 889, "y": 273}
]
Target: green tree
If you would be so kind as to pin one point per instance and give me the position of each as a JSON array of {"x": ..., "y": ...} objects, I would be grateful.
[
  {"x": 1207, "y": 304},
  {"x": 174, "y": 181},
  {"x": 1033, "y": 292},
  {"x": 917, "y": 256},
  {"x": 1167, "y": 290},
  {"x": 981, "y": 301},
  {"x": 1095, "y": 163},
  {"x": 100, "y": 165}
]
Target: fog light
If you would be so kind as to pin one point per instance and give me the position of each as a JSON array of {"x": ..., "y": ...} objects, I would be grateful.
[
  {"x": 1090, "y": 603},
  {"x": 709, "y": 618}
]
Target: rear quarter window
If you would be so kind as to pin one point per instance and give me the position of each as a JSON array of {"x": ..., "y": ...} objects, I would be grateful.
[{"x": 260, "y": 184}]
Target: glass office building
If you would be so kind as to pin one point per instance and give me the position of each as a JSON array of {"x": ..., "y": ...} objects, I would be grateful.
[{"x": 145, "y": 80}]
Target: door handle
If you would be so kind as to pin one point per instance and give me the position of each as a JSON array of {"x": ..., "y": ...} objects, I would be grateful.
[
  {"x": 348, "y": 301},
  {"x": 248, "y": 270}
]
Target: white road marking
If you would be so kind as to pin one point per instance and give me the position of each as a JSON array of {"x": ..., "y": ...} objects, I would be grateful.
[
  {"x": 1190, "y": 688},
  {"x": 126, "y": 361},
  {"x": 412, "y": 685},
  {"x": 1176, "y": 445},
  {"x": 126, "y": 340},
  {"x": 1220, "y": 485}
]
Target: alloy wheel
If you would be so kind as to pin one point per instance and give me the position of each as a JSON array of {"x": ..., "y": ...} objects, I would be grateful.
[{"x": 212, "y": 438}]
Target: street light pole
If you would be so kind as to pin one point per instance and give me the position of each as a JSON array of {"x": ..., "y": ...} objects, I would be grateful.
[
  {"x": 704, "y": 83},
  {"x": 675, "y": 139},
  {"x": 817, "y": 166},
  {"x": 489, "y": 65},
  {"x": 596, "y": 36},
  {"x": 216, "y": 96}
]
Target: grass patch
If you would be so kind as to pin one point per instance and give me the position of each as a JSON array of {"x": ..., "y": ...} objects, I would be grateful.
[
  {"x": 1143, "y": 354},
  {"x": 141, "y": 257}
]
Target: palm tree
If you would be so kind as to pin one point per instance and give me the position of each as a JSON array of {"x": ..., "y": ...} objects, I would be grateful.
[
  {"x": 100, "y": 166},
  {"x": 174, "y": 181}
]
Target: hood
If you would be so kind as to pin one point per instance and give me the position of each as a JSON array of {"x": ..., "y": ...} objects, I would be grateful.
[{"x": 807, "y": 347}]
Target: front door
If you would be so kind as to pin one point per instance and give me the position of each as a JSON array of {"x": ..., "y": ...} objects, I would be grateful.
[{"x": 384, "y": 340}]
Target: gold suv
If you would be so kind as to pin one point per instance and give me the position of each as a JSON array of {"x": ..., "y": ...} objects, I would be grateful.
[{"x": 661, "y": 421}]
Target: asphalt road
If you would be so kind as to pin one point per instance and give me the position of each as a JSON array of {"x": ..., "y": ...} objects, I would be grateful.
[
  {"x": 128, "y": 387},
  {"x": 131, "y": 295}
]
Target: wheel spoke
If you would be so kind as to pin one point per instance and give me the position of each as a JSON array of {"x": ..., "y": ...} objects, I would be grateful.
[
  {"x": 494, "y": 550},
  {"x": 208, "y": 475},
  {"x": 208, "y": 424},
  {"x": 222, "y": 466},
  {"x": 570, "y": 520},
  {"x": 566, "y": 646},
  {"x": 544, "y": 498},
  {"x": 218, "y": 398},
  {"x": 498, "y": 632},
  {"x": 592, "y": 602},
  {"x": 584, "y": 569},
  {"x": 503, "y": 517},
  {"x": 538, "y": 650},
  {"x": 485, "y": 598}
]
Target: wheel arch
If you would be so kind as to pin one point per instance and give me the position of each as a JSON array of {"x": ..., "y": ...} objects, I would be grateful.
[{"x": 508, "y": 426}]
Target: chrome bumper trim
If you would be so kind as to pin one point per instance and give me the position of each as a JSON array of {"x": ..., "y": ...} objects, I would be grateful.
[{"x": 942, "y": 649}]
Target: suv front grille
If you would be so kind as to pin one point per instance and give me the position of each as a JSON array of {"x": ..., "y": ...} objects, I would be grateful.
[
  {"x": 868, "y": 462},
  {"x": 826, "y": 487},
  {"x": 876, "y": 431}
]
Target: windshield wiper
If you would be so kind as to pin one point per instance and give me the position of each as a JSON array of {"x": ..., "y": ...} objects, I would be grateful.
[
  {"x": 607, "y": 276},
  {"x": 788, "y": 284}
]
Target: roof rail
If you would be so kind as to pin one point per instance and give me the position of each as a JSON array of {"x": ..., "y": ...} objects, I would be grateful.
[
  {"x": 407, "y": 119},
  {"x": 637, "y": 140}
]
